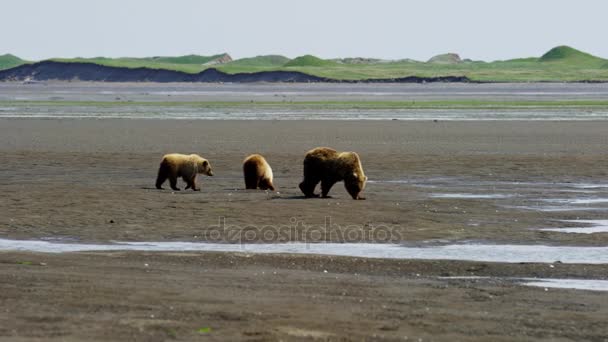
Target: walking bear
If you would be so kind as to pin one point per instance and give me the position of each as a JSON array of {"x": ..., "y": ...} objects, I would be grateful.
[
  {"x": 177, "y": 165},
  {"x": 326, "y": 165}
]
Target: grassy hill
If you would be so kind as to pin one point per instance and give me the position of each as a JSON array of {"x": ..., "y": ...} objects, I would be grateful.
[
  {"x": 559, "y": 64},
  {"x": 447, "y": 58},
  {"x": 258, "y": 63},
  {"x": 566, "y": 54},
  {"x": 309, "y": 61},
  {"x": 9, "y": 61}
]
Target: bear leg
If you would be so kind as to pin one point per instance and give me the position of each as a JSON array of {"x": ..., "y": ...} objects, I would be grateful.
[
  {"x": 173, "y": 182},
  {"x": 163, "y": 172},
  {"x": 251, "y": 180},
  {"x": 266, "y": 184},
  {"x": 308, "y": 187},
  {"x": 192, "y": 184},
  {"x": 326, "y": 185},
  {"x": 188, "y": 182}
]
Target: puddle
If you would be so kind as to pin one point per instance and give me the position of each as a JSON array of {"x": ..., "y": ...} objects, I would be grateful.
[
  {"x": 468, "y": 252},
  {"x": 471, "y": 196},
  {"x": 388, "y": 181},
  {"x": 577, "y": 284},
  {"x": 555, "y": 208},
  {"x": 597, "y": 226},
  {"x": 587, "y": 185},
  {"x": 578, "y": 200},
  {"x": 590, "y": 201}
]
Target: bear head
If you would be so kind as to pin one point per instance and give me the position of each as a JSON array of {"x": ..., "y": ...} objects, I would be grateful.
[
  {"x": 355, "y": 183},
  {"x": 204, "y": 167}
]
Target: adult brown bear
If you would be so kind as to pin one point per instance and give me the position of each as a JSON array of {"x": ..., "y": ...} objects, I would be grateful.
[
  {"x": 257, "y": 172},
  {"x": 176, "y": 165},
  {"x": 326, "y": 165}
]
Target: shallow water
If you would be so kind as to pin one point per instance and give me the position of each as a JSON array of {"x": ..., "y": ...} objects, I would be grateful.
[
  {"x": 576, "y": 284},
  {"x": 225, "y": 112},
  {"x": 556, "y": 208},
  {"x": 578, "y": 200},
  {"x": 471, "y": 196},
  {"x": 127, "y": 95},
  {"x": 597, "y": 226},
  {"x": 470, "y": 252},
  {"x": 535, "y": 196}
]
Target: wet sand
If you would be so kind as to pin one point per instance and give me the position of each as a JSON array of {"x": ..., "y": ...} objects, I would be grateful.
[
  {"x": 158, "y": 297},
  {"x": 280, "y": 92},
  {"x": 92, "y": 181}
]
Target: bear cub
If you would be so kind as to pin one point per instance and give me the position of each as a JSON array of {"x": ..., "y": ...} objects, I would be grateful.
[
  {"x": 177, "y": 165},
  {"x": 257, "y": 172}
]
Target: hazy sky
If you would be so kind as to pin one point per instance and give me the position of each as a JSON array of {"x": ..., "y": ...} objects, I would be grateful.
[{"x": 478, "y": 29}]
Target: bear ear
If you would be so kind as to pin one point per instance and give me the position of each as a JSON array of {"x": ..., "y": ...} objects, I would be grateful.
[{"x": 205, "y": 163}]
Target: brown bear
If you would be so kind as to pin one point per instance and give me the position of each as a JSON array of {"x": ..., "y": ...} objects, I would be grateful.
[
  {"x": 257, "y": 172},
  {"x": 326, "y": 165},
  {"x": 176, "y": 165}
]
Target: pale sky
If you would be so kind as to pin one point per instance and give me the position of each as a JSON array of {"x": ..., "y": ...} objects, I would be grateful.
[{"x": 392, "y": 29}]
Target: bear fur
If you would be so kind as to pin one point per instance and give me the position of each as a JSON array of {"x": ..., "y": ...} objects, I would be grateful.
[
  {"x": 257, "y": 172},
  {"x": 326, "y": 165},
  {"x": 177, "y": 165}
]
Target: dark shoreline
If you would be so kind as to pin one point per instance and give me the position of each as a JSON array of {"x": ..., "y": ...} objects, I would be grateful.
[{"x": 52, "y": 70}]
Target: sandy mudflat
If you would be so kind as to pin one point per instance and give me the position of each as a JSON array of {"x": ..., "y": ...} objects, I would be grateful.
[{"x": 92, "y": 181}]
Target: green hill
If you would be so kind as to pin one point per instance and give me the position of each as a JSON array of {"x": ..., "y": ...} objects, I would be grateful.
[
  {"x": 261, "y": 61},
  {"x": 309, "y": 61},
  {"x": 566, "y": 54},
  {"x": 10, "y": 61},
  {"x": 446, "y": 58}
]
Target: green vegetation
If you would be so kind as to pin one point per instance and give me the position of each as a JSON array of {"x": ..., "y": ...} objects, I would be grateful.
[
  {"x": 253, "y": 64},
  {"x": 9, "y": 61},
  {"x": 560, "y": 64}
]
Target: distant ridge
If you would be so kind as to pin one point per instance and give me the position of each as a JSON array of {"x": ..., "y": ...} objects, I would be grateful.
[
  {"x": 61, "y": 71},
  {"x": 560, "y": 64},
  {"x": 192, "y": 59}
]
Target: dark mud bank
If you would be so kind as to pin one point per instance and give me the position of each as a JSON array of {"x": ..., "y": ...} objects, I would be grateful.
[{"x": 60, "y": 71}]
